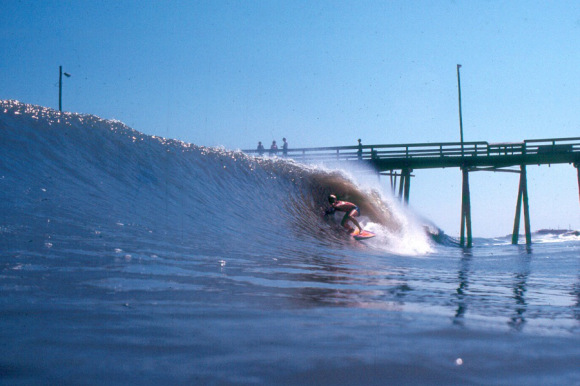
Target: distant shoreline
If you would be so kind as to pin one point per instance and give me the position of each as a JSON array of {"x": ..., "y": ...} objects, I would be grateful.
[{"x": 557, "y": 232}]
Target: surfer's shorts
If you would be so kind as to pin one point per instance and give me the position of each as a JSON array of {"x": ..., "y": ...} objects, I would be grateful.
[{"x": 357, "y": 209}]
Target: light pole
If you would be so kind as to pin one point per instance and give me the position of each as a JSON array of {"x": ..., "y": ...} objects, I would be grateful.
[
  {"x": 460, "y": 116},
  {"x": 465, "y": 199},
  {"x": 60, "y": 73}
]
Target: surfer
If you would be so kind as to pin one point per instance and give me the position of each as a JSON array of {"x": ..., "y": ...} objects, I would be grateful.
[{"x": 350, "y": 209}]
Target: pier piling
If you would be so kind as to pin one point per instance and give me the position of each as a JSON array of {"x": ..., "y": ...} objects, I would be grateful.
[
  {"x": 578, "y": 172},
  {"x": 465, "y": 212},
  {"x": 401, "y": 185},
  {"x": 407, "y": 173},
  {"x": 522, "y": 198}
]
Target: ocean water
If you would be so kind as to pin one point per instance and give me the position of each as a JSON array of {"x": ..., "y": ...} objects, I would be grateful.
[{"x": 131, "y": 259}]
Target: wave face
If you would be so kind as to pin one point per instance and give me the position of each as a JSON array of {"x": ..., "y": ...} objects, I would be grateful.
[{"x": 73, "y": 174}]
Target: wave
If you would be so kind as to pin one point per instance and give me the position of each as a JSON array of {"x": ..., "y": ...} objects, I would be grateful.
[{"x": 83, "y": 174}]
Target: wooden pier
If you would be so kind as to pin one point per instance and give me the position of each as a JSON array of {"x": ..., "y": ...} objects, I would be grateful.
[{"x": 398, "y": 161}]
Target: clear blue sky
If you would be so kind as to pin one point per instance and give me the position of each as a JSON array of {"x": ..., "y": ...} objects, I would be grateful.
[{"x": 321, "y": 73}]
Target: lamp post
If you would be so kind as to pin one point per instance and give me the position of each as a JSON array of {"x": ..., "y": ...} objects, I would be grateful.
[
  {"x": 465, "y": 200},
  {"x": 460, "y": 116},
  {"x": 60, "y": 73}
]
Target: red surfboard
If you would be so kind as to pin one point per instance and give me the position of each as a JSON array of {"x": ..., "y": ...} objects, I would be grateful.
[{"x": 362, "y": 235}]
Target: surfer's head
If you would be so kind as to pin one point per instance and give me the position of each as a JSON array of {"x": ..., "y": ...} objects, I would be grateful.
[{"x": 332, "y": 198}]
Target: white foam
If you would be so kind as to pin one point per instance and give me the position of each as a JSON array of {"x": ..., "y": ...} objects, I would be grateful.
[{"x": 408, "y": 236}]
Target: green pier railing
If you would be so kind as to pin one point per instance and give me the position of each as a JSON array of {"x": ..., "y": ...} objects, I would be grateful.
[{"x": 445, "y": 154}]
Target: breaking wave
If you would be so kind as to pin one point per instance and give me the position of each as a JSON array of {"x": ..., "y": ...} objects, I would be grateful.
[{"x": 77, "y": 174}]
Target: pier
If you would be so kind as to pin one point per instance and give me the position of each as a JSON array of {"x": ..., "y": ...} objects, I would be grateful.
[{"x": 397, "y": 161}]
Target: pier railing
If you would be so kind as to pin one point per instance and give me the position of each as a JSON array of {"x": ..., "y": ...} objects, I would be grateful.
[
  {"x": 367, "y": 152},
  {"x": 552, "y": 149}
]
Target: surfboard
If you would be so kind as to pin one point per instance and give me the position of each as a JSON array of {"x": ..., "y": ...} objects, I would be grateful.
[{"x": 362, "y": 235}]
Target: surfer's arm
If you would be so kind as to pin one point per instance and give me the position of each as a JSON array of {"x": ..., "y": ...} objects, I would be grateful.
[{"x": 331, "y": 210}]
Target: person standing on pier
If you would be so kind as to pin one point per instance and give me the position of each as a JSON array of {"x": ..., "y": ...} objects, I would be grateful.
[
  {"x": 273, "y": 149},
  {"x": 260, "y": 148},
  {"x": 285, "y": 147},
  {"x": 360, "y": 150}
]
